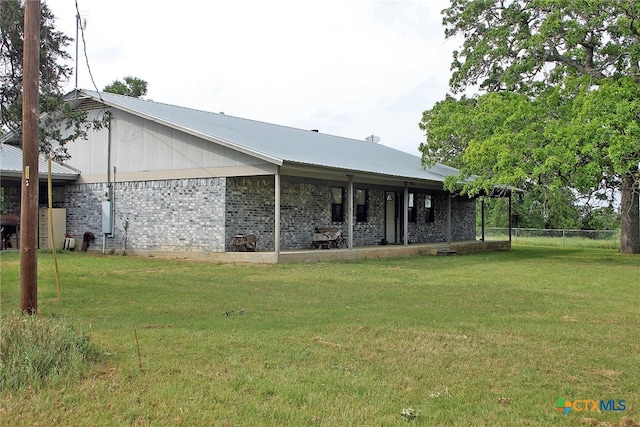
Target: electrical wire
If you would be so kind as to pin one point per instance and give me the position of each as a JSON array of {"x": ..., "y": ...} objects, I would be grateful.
[{"x": 86, "y": 56}]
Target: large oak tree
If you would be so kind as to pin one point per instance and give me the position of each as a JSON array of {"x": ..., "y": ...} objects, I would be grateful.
[{"x": 558, "y": 103}]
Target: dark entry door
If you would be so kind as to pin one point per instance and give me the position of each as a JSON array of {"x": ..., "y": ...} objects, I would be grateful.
[{"x": 392, "y": 222}]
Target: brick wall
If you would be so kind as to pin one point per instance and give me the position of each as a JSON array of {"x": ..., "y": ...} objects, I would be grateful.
[
  {"x": 171, "y": 215},
  {"x": 304, "y": 205},
  {"x": 205, "y": 214},
  {"x": 463, "y": 219},
  {"x": 250, "y": 209}
]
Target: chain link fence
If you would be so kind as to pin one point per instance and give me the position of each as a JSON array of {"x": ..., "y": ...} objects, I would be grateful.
[{"x": 556, "y": 237}]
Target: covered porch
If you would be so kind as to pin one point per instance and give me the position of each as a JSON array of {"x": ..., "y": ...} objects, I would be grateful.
[{"x": 357, "y": 253}]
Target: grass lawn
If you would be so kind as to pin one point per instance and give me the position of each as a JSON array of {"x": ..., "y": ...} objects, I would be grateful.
[{"x": 487, "y": 339}]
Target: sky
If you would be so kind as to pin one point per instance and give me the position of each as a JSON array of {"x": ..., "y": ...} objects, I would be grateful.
[{"x": 352, "y": 68}]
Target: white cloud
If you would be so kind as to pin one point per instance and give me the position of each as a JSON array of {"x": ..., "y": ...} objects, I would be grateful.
[{"x": 346, "y": 67}]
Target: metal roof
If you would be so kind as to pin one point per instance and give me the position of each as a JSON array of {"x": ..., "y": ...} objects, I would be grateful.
[
  {"x": 11, "y": 165},
  {"x": 279, "y": 144}
]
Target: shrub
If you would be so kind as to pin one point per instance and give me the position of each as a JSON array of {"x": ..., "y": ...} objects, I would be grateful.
[{"x": 36, "y": 350}]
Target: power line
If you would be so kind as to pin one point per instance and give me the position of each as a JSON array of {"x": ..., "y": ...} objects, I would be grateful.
[{"x": 86, "y": 56}]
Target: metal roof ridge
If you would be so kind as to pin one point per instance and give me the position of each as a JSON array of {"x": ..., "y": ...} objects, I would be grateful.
[{"x": 234, "y": 117}]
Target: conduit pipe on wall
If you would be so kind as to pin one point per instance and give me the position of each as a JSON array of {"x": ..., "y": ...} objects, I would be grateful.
[{"x": 107, "y": 204}]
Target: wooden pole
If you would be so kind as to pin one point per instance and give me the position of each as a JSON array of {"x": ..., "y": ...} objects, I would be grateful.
[
  {"x": 51, "y": 230},
  {"x": 30, "y": 153}
]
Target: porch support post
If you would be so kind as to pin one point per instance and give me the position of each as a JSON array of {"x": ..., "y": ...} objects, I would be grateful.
[
  {"x": 510, "y": 214},
  {"x": 276, "y": 232},
  {"x": 405, "y": 215},
  {"x": 449, "y": 219},
  {"x": 350, "y": 213},
  {"x": 482, "y": 214}
]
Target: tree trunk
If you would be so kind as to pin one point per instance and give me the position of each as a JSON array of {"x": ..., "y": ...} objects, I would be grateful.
[{"x": 629, "y": 215}]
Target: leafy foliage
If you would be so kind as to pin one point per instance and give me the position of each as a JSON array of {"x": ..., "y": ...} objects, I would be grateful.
[
  {"x": 524, "y": 44},
  {"x": 129, "y": 86},
  {"x": 60, "y": 118},
  {"x": 543, "y": 209},
  {"x": 558, "y": 108}
]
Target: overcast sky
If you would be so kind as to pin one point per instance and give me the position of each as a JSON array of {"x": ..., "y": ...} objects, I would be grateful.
[{"x": 345, "y": 67}]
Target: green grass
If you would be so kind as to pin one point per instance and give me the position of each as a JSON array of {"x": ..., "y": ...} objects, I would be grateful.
[
  {"x": 529, "y": 238},
  {"x": 488, "y": 339},
  {"x": 569, "y": 242},
  {"x": 37, "y": 350}
]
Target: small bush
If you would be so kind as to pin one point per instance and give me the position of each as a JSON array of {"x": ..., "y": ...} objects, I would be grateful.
[{"x": 36, "y": 350}]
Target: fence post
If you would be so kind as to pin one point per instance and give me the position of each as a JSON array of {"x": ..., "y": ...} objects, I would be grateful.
[{"x": 563, "y": 237}]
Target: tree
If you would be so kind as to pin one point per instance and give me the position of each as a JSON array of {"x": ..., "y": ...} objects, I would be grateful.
[
  {"x": 59, "y": 117},
  {"x": 131, "y": 86},
  {"x": 560, "y": 84}
]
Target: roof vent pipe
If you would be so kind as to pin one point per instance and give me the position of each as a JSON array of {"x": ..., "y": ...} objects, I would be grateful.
[{"x": 373, "y": 139}]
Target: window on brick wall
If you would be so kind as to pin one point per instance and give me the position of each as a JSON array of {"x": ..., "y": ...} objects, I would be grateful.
[
  {"x": 428, "y": 208},
  {"x": 362, "y": 199},
  {"x": 411, "y": 209},
  {"x": 337, "y": 204}
]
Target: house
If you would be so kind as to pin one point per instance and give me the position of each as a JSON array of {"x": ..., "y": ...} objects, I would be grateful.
[{"x": 167, "y": 179}]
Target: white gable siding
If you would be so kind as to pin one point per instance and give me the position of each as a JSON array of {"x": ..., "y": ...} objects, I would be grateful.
[{"x": 140, "y": 145}]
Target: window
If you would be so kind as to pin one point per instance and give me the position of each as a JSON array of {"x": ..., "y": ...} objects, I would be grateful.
[
  {"x": 361, "y": 205},
  {"x": 57, "y": 196},
  {"x": 337, "y": 204},
  {"x": 428, "y": 207},
  {"x": 412, "y": 208}
]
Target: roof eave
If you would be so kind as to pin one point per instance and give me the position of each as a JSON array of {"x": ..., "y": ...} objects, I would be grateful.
[
  {"x": 60, "y": 177},
  {"x": 294, "y": 168}
]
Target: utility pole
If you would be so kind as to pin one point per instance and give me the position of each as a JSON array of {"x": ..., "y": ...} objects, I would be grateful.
[{"x": 30, "y": 156}]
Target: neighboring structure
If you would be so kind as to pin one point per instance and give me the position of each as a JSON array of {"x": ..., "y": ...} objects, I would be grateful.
[
  {"x": 10, "y": 182},
  {"x": 163, "y": 178}
]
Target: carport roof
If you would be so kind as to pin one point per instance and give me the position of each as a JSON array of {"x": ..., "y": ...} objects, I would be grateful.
[
  {"x": 277, "y": 144},
  {"x": 11, "y": 166}
]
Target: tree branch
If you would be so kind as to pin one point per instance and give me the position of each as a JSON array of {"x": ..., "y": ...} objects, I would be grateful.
[{"x": 553, "y": 55}]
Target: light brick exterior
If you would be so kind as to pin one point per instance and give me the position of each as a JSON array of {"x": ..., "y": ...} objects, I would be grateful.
[
  {"x": 172, "y": 215},
  {"x": 304, "y": 205},
  {"x": 203, "y": 215}
]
